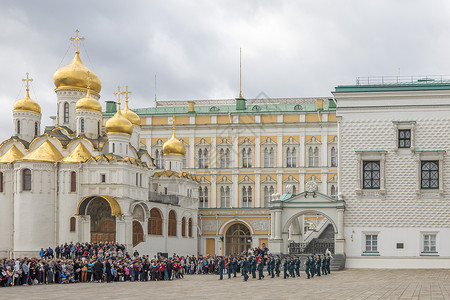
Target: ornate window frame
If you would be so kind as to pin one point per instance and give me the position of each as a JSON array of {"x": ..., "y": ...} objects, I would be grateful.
[
  {"x": 247, "y": 144},
  {"x": 374, "y": 155},
  {"x": 224, "y": 145},
  {"x": 206, "y": 160},
  {"x": 424, "y": 155},
  {"x": 399, "y": 125},
  {"x": 291, "y": 144},
  {"x": 269, "y": 153},
  {"x": 313, "y": 144},
  {"x": 333, "y": 144}
]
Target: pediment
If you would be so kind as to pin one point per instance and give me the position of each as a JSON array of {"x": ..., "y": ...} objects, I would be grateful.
[{"x": 309, "y": 198}]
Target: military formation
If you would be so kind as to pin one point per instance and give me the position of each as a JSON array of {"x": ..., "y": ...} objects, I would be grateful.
[{"x": 314, "y": 265}]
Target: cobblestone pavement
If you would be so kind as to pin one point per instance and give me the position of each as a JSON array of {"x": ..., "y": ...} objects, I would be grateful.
[{"x": 348, "y": 284}]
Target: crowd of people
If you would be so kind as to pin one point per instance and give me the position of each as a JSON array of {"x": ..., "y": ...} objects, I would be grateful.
[{"x": 109, "y": 262}]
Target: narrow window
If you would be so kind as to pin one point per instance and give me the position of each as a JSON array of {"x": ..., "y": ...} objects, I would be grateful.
[
  {"x": 183, "y": 227},
  {"x": 333, "y": 157},
  {"x": 98, "y": 128},
  {"x": 1, "y": 182},
  {"x": 205, "y": 197},
  {"x": 73, "y": 224},
  {"x": 73, "y": 181},
  {"x": 103, "y": 178},
  {"x": 190, "y": 227},
  {"x": 200, "y": 196},
  {"x": 26, "y": 180},
  {"x": 36, "y": 129},
  {"x": 66, "y": 112},
  {"x": 18, "y": 127},
  {"x": 82, "y": 126},
  {"x": 172, "y": 224},
  {"x": 333, "y": 192}
]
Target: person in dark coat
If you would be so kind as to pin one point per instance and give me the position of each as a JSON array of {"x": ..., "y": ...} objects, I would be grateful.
[
  {"x": 245, "y": 268},
  {"x": 98, "y": 270},
  {"x": 108, "y": 271}
]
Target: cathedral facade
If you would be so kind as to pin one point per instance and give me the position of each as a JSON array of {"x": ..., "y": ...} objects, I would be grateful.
[{"x": 84, "y": 179}]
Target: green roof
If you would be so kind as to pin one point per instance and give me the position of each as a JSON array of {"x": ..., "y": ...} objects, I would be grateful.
[
  {"x": 393, "y": 83},
  {"x": 257, "y": 108}
]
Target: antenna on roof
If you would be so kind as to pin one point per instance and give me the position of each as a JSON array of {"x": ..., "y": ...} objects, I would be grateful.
[
  {"x": 240, "y": 72},
  {"x": 156, "y": 102}
]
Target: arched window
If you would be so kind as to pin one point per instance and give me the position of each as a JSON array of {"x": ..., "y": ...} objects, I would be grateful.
[
  {"x": 66, "y": 112},
  {"x": 172, "y": 224},
  {"x": 266, "y": 196},
  {"x": 291, "y": 161},
  {"x": 313, "y": 156},
  {"x": 36, "y": 129},
  {"x": 271, "y": 192},
  {"x": 99, "y": 127},
  {"x": 333, "y": 192},
  {"x": 1, "y": 182},
  {"x": 183, "y": 227},
  {"x": 205, "y": 197},
  {"x": 333, "y": 157},
  {"x": 200, "y": 158},
  {"x": 190, "y": 227},
  {"x": 246, "y": 157},
  {"x": 227, "y": 158},
  {"x": 294, "y": 190},
  {"x": 73, "y": 224},
  {"x": 205, "y": 158},
  {"x": 18, "y": 127},
  {"x": 200, "y": 197},
  {"x": 221, "y": 158},
  {"x": 82, "y": 126},
  {"x": 73, "y": 181},
  {"x": 224, "y": 197},
  {"x": 155, "y": 222},
  {"x": 246, "y": 196},
  {"x": 26, "y": 180}
]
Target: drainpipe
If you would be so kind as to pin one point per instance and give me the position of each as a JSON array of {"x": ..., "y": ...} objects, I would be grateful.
[
  {"x": 11, "y": 186},
  {"x": 56, "y": 204}
]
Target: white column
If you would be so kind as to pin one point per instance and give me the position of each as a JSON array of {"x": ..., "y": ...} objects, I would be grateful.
[{"x": 279, "y": 151}]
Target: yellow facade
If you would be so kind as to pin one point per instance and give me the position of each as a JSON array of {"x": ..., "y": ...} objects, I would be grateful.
[{"x": 202, "y": 120}]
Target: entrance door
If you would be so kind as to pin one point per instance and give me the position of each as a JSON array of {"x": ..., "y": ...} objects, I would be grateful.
[
  {"x": 138, "y": 233},
  {"x": 103, "y": 224},
  {"x": 237, "y": 239}
]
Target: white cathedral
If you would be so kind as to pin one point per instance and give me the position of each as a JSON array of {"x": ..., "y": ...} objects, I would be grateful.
[{"x": 84, "y": 179}]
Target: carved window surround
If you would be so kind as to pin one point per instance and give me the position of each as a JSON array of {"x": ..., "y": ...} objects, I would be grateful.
[
  {"x": 398, "y": 125},
  {"x": 375, "y": 155},
  {"x": 430, "y": 155}
]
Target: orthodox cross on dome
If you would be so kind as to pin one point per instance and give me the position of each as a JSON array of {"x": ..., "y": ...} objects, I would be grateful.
[
  {"x": 88, "y": 81},
  {"x": 27, "y": 80},
  {"x": 118, "y": 93},
  {"x": 126, "y": 94},
  {"x": 77, "y": 39}
]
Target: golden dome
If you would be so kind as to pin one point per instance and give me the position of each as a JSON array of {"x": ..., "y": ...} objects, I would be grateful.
[
  {"x": 27, "y": 104},
  {"x": 174, "y": 146},
  {"x": 119, "y": 124},
  {"x": 46, "y": 152},
  {"x": 78, "y": 155},
  {"x": 88, "y": 103},
  {"x": 131, "y": 115},
  {"x": 75, "y": 75},
  {"x": 11, "y": 155}
]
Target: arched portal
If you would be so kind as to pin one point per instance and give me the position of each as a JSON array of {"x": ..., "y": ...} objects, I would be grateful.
[
  {"x": 138, "y": 233},
  {"x": 238, "y": 239},
  {"x": 102, "y": 211}
]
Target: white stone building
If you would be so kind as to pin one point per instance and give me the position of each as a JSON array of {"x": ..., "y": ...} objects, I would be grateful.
[
  {"x": 394, "y": 173},
  {"x": 82, "y": 181}
]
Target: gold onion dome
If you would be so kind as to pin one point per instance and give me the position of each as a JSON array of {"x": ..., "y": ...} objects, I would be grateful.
[
  {"x": 174, "y": 146},
  {"x": 88, "y": 103},
  {"x": 118, "y": 124},
  {"x": 75, "y": 75},
  {"x": 131, "y": 116},
  {"x": 27, "y": 104}
]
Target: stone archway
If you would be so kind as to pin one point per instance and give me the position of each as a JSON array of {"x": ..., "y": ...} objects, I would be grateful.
[
  {"x": 238, "y": 239},
  {"x": 102, "y": 212},
  {"x": 287, "y": 210}
]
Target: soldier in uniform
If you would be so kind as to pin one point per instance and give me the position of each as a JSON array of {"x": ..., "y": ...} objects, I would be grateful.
[
  {"x": 328, "y": 262},
  {"x": 297, "y": 266},
  {"x": 285, "y": 268},
  {"x": 291, "y": 267},
  {"x": 221, "y": 267},
  {"x": 277, "y": 265},
  {"x": 312, "y": 266},
  {"x": 229, "y": 266},
  {"x": 308, "y": 266},
  {"x": 253, "y": 265},
  {"x": 245, "y": 268},
  {"x": 234, "y": 266},
  {"x": 260, "y": 267},
  {"x": 324, "y": 265},
  {"x": 271, "y": 266},
  {"x": 318, "y": 265}
]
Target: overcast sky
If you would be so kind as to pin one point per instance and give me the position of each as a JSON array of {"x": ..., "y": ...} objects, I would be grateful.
[{"x": 289, "y": 48}]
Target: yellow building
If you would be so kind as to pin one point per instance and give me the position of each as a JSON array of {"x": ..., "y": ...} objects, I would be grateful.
[{"x": 244, "y": 151}]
